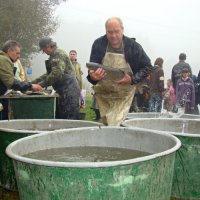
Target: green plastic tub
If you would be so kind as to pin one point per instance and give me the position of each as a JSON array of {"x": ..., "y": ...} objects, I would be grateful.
[
  {"x": 186, "y": 180},
  {"x": 143, "y": 178},
  {"x": 16, "y": 129}
]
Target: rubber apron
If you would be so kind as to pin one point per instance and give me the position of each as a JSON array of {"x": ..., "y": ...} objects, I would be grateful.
[{"x": 114, "y": 100}]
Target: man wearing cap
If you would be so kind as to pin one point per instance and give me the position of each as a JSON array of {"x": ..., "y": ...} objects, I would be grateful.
[
  {"x": 177, "y": 69},
  {"x": 60, "y": 75}
]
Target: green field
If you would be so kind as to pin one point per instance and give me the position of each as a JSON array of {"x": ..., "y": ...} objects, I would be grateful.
[{"x": 90, "y": 114}]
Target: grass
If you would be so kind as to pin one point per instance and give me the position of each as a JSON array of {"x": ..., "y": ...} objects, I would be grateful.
[{"x": 90, "y": 114}]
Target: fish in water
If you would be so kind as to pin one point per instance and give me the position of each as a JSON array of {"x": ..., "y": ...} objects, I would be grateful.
[{"x": 112, "y": 73}]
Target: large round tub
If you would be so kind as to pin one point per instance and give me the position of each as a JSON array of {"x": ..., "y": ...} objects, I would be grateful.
[
  {"x": 186, "y": 180},
  {"x": 161, "y": 115},
  {"x": 147, "y": 177},
  {"x": 16, "y": 129}
]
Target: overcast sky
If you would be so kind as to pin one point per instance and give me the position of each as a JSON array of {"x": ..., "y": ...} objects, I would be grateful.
[{"x": 163, "y": 28}]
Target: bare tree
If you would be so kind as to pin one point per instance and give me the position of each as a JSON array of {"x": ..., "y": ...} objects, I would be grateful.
[{"x": 27, "y": 21}]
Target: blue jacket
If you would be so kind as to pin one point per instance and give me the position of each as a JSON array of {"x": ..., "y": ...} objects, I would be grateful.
[{"x": 134, "y": 54}]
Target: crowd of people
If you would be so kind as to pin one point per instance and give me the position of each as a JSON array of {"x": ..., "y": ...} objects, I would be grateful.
[
  {"x": 182, "y": 91},
  {"x": 140, "y": 89}
]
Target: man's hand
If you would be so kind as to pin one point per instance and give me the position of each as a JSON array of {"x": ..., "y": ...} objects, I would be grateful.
[
  {"x": 125, "y": 80},
  {"x": 97, "y": 75},
  {"x": 36, "y": 87}
]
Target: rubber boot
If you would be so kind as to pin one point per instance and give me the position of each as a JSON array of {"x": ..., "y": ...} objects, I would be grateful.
[{"x": 97, "y": 114}]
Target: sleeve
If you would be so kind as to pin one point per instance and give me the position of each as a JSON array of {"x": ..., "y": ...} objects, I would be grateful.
[
  {"x": 94, "y": 57},
  {"x": 21, "y": 85},
  {"x": 91, "y": 81},
  {"x": 7, "y": 73},
  {"x": 39, "y": 79},
  {"x": 58, "y": 66},
  {"x": 144, "y": 64}
]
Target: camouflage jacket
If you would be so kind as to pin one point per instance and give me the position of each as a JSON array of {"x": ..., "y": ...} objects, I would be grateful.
[{"x": 57, "y": 65}]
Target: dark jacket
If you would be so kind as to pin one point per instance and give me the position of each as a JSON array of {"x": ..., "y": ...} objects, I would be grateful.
[
  {"x": 177, "y": 69},
  {"x": 134, "y": 54},
  {"x": 185, "y": 91},
  {"x": 157, "y": 80}
]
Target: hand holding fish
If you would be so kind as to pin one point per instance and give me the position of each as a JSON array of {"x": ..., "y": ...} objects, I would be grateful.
[
  {"x": 97, "y": 74},
  {"x": 125, "y": 80},
  {"x": 101, "y": 71}
]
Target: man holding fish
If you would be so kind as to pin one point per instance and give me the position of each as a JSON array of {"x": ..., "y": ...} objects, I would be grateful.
[{"x": 117, "y": 54}]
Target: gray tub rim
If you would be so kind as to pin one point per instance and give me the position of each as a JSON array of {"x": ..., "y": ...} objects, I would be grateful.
[
  {"x": 39, "y": 120},
  {"x": 166, "y": 119},
  {"x": 16, "y": 157},
  {"x": 168, "y": 115}
]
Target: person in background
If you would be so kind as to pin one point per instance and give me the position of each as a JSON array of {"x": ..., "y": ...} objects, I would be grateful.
[
  {"x": 156, "y": 85},
  {"x": 140, "y": 101},
  {"x": 169, "y": 97},
  {"x": 78, "y": 73},
  {"x": 115, "y": 50},
  {"x": 177, "y": 69},
  {"x": 9, "y": 54},
  {"x": 77, "y": 67},
  {"x": 60, "y": 75},
  {"x": 134, "y": 105},
  {"x": 19, "y": 72},
  {"x": 185, "y": 92}
]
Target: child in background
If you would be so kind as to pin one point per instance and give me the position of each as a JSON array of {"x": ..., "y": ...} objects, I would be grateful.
[
  {"x": 185, "y": 92},
  {"x": 169, "y": 97},
  {"x": 156, "y": 85}
]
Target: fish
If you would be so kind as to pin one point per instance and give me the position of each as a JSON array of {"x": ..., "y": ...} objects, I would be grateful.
[{"x": 111, "y": 72}]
